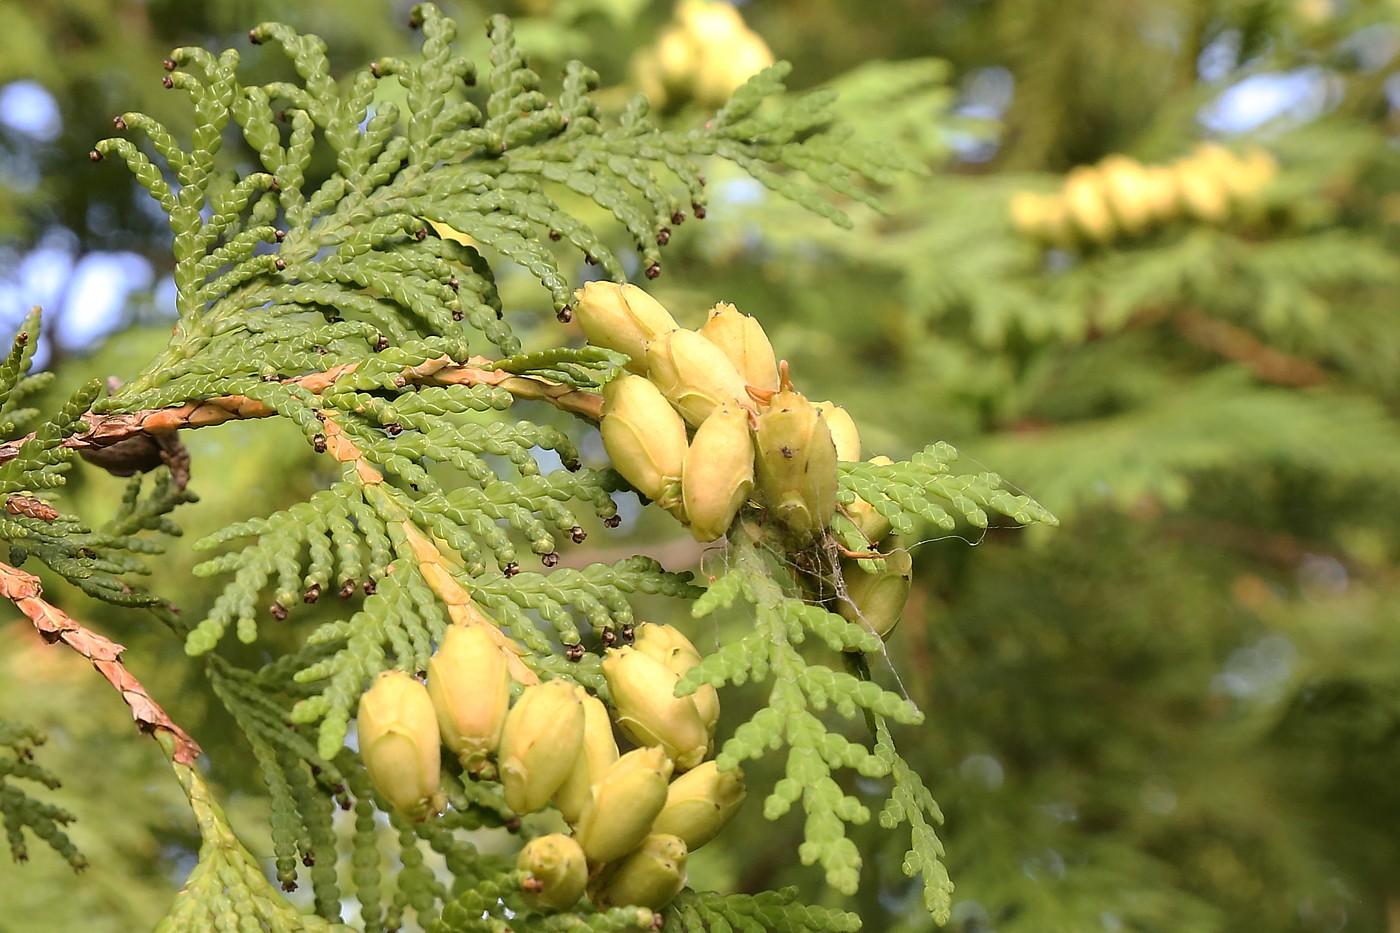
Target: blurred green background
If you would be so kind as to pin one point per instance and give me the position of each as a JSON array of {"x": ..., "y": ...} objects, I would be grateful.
[{"x": 1179, "y": 711}]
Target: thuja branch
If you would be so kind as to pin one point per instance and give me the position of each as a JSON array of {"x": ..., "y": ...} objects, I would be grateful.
[
  {"x": 25, "y": 591},
  {"x": 435, "y": 561},
  {"x": 104, "y": 431}
]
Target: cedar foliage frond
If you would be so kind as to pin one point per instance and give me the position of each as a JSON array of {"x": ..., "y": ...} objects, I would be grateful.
[
  {"x": 800, "y": 691},
  {"x": 769, "y": 912},
  {"x": 100, "y": 561},
  {"x": 22, "y": 812},
  {"x": 227, "y": 889},
  {"x": 924, "y": 488}
]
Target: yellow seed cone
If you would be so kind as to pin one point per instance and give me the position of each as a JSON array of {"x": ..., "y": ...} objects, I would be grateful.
[
  {"x": 877, "y": 600},
  {"x": 694, "y": 374},
  {"x": 650, "y": 877},
  {"x": 649, "y": 712},
  {"x": 469, "y": 685},
  {"x": 644, "y": 437},
  {"x": 699, "y": 803},
  {"x": 1125, "y": 188},
  {"x": 743, "y": 341},
  {"x": 540, "y": 743},
  {"x": 624, "y": 802},
  {"x": 598, "y": 754},
  {"x": 556, "y": 872},
  {"x": 844, "y": 433},
  {"x": 622, "y": 318},
  {"x": 400, "y": 744},
  {"x": 796, "y": 465},
  {"x": 1203, "y": 194},
  {"x": 1087, "y": 207},
  {"x": 666, "y": 643},
  {"x": 717, "y": 477}
]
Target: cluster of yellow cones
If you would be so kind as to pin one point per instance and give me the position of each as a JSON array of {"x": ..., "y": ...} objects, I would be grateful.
[
  {"x": 704, "y": 55},
  {"x": 634, "y": 816},
  {"x": 707, "y": 424},
  {"x": 1120, "y": 198}
]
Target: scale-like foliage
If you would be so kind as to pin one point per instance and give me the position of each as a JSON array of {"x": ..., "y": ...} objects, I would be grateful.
[
  {"x": 227, "y": 890},
  {"x": 22, "y": 812}
]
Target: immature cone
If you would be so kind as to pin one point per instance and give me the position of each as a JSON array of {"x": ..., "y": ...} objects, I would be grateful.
[
  {"x": 699, "y": 803},
  {"x": 717, "y": 478},
  {"x": 1125, "y": 187},
  {"x": 400, "y": 744},
  {"x": 644, "y": 437},
  {"x": 542, "y": 738},
  {"x": 625, "y": 800},
  {"x": 745, "y": 344},
  {"x": 666, "y": 644},
  {"x": 844, "y": 433},
  {"x": 730, "y": 52},
  {"x": 796, "y": 465},
  {"x": 557, "y": 872},
  {"x": 1161, "y": 193},
  {"x": 622, "y": 318},
  {"x": 694, "y": 374},
  {"x": 650, "y": 877},
  {"x": 599, "y": 752},
  {"x": 1203, "y": 194},
  {"x": 1084, "y": 199},
  {"x": 470, "y": 689},
  {"x": 706, "y": 54},
  {"x": 648, "y": 711},
  {"x": 877, "y": 600}
]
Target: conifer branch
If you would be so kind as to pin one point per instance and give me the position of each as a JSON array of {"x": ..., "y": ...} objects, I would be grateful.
[
  {"x": 25, "y": 591},
  {"x": 1235, "y": 343},
  {"x": 434, "y": 562},
  {"x": 107, "y": 430}
]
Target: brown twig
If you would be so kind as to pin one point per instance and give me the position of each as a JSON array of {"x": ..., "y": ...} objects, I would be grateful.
[
  {"x": 106, "y": 431},
  {"x": 53, "y": 624},
  {"x": 1243, "y": 347}
]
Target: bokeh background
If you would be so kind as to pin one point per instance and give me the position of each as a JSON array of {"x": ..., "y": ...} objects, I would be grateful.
[{"x": 1177, "y": 712}]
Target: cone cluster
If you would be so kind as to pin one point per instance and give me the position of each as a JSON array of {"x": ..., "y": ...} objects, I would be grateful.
[
  {"x": 703, "y": 424},
  {"x": 706, "y": 53},
  {"x": 1120, "y": 198},
  {"x": 634, "y": 817}
]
